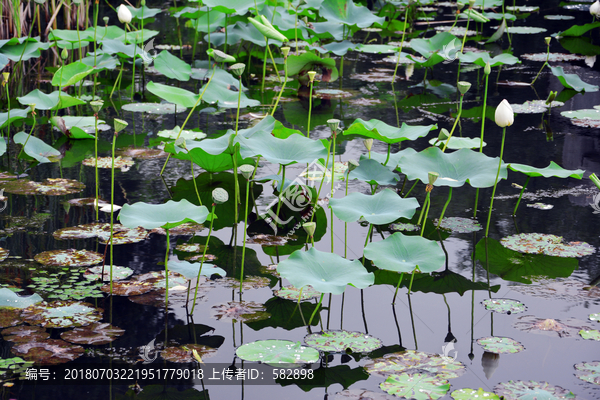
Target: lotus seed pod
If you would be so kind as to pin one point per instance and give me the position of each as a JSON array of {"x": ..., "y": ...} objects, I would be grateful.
[
  {"x": 487, "y": 69},
  {"x": 551, "y": 97},
  {"x": 311, "y": 75},
  {"x": 124, "y": 14},
  {"x": 463, "y": 87},
  {"x": 219, "y": 56},
  {"x": 471, "y": 3},
  {"x": 105, "y": 20},
  {"x": 443, "y": 135},
  {"x": 32, "y": 106},
  {"x": 5, "y": 77},
  {"x": 432, "y": 177},
  {"x": 333, "y": 124},
  {"x": 352, "y": 165},
  {"x": 247, "y": 170},
  {"x": 460, "y": 6},
  {"x": 238, "y": 69},
  {"x": 143, "y": 3},
  {"x": 64, "y": 54},
  {"x": 504, "y": 114},
  {"x": 368, "y": 143},
  {"x": 220, "y": 196},
  {"x": 119, "y": 125},
  {"x": 180, "y": 142},
  {"x": 547, "y": 39},
  {"x": 285, "y": 51},
  {"x": 96, "y": 105},
  {"x": 310, "y": 228}
]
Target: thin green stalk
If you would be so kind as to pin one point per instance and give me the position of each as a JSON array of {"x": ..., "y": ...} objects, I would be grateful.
[
  {"x": 28, "y": 136},
  {"x": 425, "y": 219},
  {"x": 282, "y": 87},
  {"x": 112, "y": 203},
  {"x": 543, "y": 65},
  {"x": 264, "y": 71},
  {"x": 166, "y": 269},
  {"x": 397, "y": 287},
  {"x": 334, "y": 134},
  {"x": 274, "y": 65},
  {"x": 455, "y": 122},
  {"x": 487, "y": 228},
  {"x": 244, "y": 233},
  {"x": 95, "y": 47},
  {"x": 445, "y": 206},
  {"x": 204, "y": 256},
  {"x": 96, "y": 166},
  {"x": 401, "y": 45},
  {"x": 316, "y": 308},
  {"x": 8, "y": 102},
  {"x": 521, "y": 195},
  {"x": 118, "y": 80},
  {"x": 423, "y": 208},
  {"x": 309, "y": 108},
  {"x": 134, "y": 54},
  {"x": 194, "y": 180}
]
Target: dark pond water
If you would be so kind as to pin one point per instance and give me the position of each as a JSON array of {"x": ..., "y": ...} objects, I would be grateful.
[{"x": 420, "y": 321}]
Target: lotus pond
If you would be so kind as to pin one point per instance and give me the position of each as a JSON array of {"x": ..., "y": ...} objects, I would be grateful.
[{"x": 364, "y": 201}]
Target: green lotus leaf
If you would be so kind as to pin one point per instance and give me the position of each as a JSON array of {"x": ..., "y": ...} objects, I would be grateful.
[
  {"x": 305, "y": 62},
  {"x": 347, "y": 13},
  {"x": 379, "y": 130},
  {"x": 168, "y": 215},
  {"x": 551, "y": 170},
  {"x": 71, "y": 74},
  {"x": 483, "y": 58},
  {"x": 239, "y": 7},
  {"x": 594, "y": 317},
  {"x": 593, "y": 114},
  {"x": 15, "y": 115},
  {"x": 68, "y": 35},
  {"x": 572, "y": 81},
  {"x": 76, "y": 127},
  {"x": 402, "y": 253},
  {"x": 223, "y": 96},
  {"x": 23, "y": 48},
  {"x": 472, "y": 394},
  {"x": 588, "y": 371},
  {"x": 456, "y": 143},
  {"x": 325, "y": 272},
  {"x": 416, "y": 386},
  {"x": 36, "y": 148},
  {"x": 277, "y": 352},
  {"x": 155, "y": 108},
  {"x": 500, "y": 345},
  {"x": 172, "y": 67},
  {"x": 143, "y": 12},
  {"x": 236, "y": 33},
  {"x": 294, "y": 149},
  {"x": 293, "y": 293},
  {"x": 504, "y": 306},
  {"x": 454, "y": 168},
  {"x": 172, "y": 94},
  {"x": 116, "y": 46},
  {"x": 202, "y": 21},
  {"x": 459, "y": 225},
  {"x": 337, "y": 48},
  {"x": 381, "y": 208},
  {"x": 341, "y": 341},
  {"x": 591, "y": 334},
  {"x": 428, "y": 47},
  {"x": 50, "y": 101},
  {"x": 541, "y": 243},
  {"x": 578, "y": 30},
  {"x": 409, "y": 361},
  {"x": 516, "y": 390},
  {"x": 8, "y": 298},
  {"x": 373, "y": 172},
  {"x": 190, "y": 270}
]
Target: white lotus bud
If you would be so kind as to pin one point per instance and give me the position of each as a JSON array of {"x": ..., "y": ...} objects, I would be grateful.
[
  {"x": 595, "y": 9},
  {"x": 124, "y": 14},
  {"x": 504, "y": 114}
]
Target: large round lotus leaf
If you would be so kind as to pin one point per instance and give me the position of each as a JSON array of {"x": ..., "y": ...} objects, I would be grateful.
[
  {"x": 572, "y": 81},
  {"x": 10, "y": 316},
  {"x": 25, "y": 333},
  {"x": 154, "y": 108},
  {"x": 49, "y": 351},
  {"x": 381, "y": 208},
  {"x": 325, "y": 272},
  {"x": 277, "y": 351},
  {"x": 541, "y": 243},
  {"x": 500, "y": 345},
  {"x": 183, "y": 354},
  {"x": 594, "y": 317},
  {"x": 293, "y": 149},
  {"x": 416, "y": 386},
  {"x": 379, "y": 130},
  {"x": 456, "y": 143},
  {"x": 411, "y": 361},
  {"x": 455, "y": 168},
  {"x": 168, "y": 215},
  {"x": 190, "y": 270},
  {"x": 459, "y": 225},
  {"x": 550, "y": 327},
  {"x": 342, "y": 341},
  {"x": 172, "y": 94},
  {"x": 518, "y": 390},
  {"x": 526, "y": 30},
  {"x": 97, "y": 333},
  {"x": 127, "y": 288},
  {"x": 125, "y": 163},
  {"x": 122, "y": 235},
  {"x": 504, "y": 306},
  {"x": 172, "y": 67},
  {"x": 69, "y": 258},
  {"x": 588, "y": 372},
  {"x": 8, "y": 298},
  {"x": 37, "y": 148},
  {"x": 185, "y": 134},
  {"x": 118, "y": 273},
  {"x": 551, "y": 170},
  {"x": 49, "y": 187},
  {"x": 62, "y": 314},
  {"x": 242, "y": 311},
  {"x": 373, "y": 172},
  {"x": 402, "y": 253},
  {"x": 591, "y": 334},
  {"x": 292, "y": 293},
  {"x": 471, "y": 394}
]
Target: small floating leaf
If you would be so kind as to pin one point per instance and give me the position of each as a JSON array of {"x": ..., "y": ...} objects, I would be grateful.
[
  {"x": 127, "y": 288},
  {"x": 118, "y": 273},
  {"x": 62, "y": 314},
  {"x": 416, "y": 386},
  {"x": 341, "y": 341},
  {"x": 242, "y": 311},
  {"x": 591, "y": 334},
  {"x": 515, "y": 390},
  {"x": 459, "y": 225},
  {"x": 125, "y": 163},
  {"x": 500, "y": 345},
  {"x": 121, "y": 234},
  {"x": 471, "y": 394},
  {"x": 552, "y": 327},
  {"x": 25, "y": 333},
  {"x": 97, "y": 333},
  {"x": 183, "y": 353},
  {"x": 49, "y": 187},
  {"x": 504, "y": 306},
  {"x": 588, "y": 372},
  {"x": 411, "y": 361},
  {"x": 68, "y": 258},
  {"x": 154, "y": 108},
  {"x": 595, "y": 317},
  {"x": 292, "y": 293},
  {"x": 277, "y": 352}
]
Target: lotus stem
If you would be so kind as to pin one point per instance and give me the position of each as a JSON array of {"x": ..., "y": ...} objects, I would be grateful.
[
  {"x": 262, "y": 88},
  {"x": 194, "y": 181},
  {"x": 321, "y": 184},
  {"x": 283, "y": 87},
  {"x": 332, "y": 185},
  {"x": 309, "y": 107},
  {"x": 462, "y": 96},
  {"x": 95, "y": 49},
  {"x": 487, "y": 228},
  {"x": 28, "y": 136},
  {"x": 389, "y": 149},
  {"x": 397, "y": 287},
  {"x": 411, "y": 188},
  {"x": 412, "y": 275},
  {"x": 212, "y": 214},
  {"x": 274, "y": 65},
  {"x": 595, "y": 180},
  {"x": 281, "y": 190},
  {"x": 96, "y": 166},
  {"x": 521, "y": 195},
  {"x": 118, "y": 80},
  {"x": 445, "y": 206},
  {"x": 481, "y": 143},
  {"x": 401, "y": 45},
  {"x": 166, "y": 269},
  {"x": 112, "y": 211},
  {"x": 5, "y": 84},
  {"x": 133, "y": 72},
  {"x": 543, "y": 65},
  {"x": 316, "y": 308},
  {"x": 425, "y": 219},
  {"x": 244, "y": 233},
  {"x": 423, "y": 208}
]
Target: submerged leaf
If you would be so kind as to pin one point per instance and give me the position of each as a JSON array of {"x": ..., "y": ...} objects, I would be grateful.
[{"x": 342, "y": 341}]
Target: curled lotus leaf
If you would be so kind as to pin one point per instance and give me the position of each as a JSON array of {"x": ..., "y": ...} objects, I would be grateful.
[
  {"x": 48, "y": 352},
  {"x": 242, "y": 311},
  {"x": 185, "y": 134},
  {"x": 49, "y": 187},
  {"x": 472, "y": 394},
  {"x": 127, "y": 288},
  {"x": 125, "y": 163},
  {"x": 68, "y": 258},
  {"x": 183, "y": 353},
  {"x": 277, "y": 352},
  {"x": 541, "y": 243},
  {"x": 103, "y": 273},
  {"x": 551, "y": 170},
  {"x": 595, "y": 317},
  {"x": 121, "y": 234},
  {"x": 591, "y": 334},
  {"x": 588, "y": 372},
  {"x": 97, "y": 333},
  {"x": 504, "y": 306},
  {"x": 9, "y": 299},
  {"x": 146, "y": 154},
  {"x": 62, "y": 314},
  {"x": 459, "y": 224},
  {"x": 411, "y": 361},
  {"x": 10, "y": 317},
  {"x": 342, "y": 341},
  {"x": 551, "y": 327},
  {"x": 516, "y": 390},
  {"x": 293, "y": 293},
  {"x": 24, "y": 334},
  {"x": 500, "y": 345},
  {"x": 3, "y": 254},
  {"x": 416, "y": 386}
]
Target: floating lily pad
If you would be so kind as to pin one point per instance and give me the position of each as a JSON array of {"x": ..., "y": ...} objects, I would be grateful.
[
  {"x": 8, "y": 298},
  {"x": 267, "y": 240},
  {"x": 177, "y": 297},
  {"x": 585, "y": 118},
  {"x": 516, "y": 390},
  {"x": 554, "y": 57},
  {"x": 500, "y": 345},
  {"x": 183, "y": 353},
  {"x": 65, "y": 285},
  {"x": 292, "y": 293},
  {"x": 331, "y": 94},
  {"x": 15, "y": 365},
  {"x": 404, "y": 227},
  {"x": 49, "y": 187},
  {"x": 97, "y": 333},
  {"x": 591, "y": 334},
  {"x": 552, "y": 327},
  {"x": 122, "y": 235},
  {"x": 342, "y": 341},
  {"x": 190, "y": 270},
  {"x": 186, "y": 229},
  {"x": 10, "y": 317},
  {"x": 190, "y": 247},
  {"x": 244, "y": 311},
  {"x": 525, "y": 30},
  {"x": 459, "y": 225},
  {"x": 541, "y": 206},
  {"x": 504, "y": 306},
  {"x": 471, "y": 394},
  {"x": 379, "y": 130},
  {"x": 118, "y": 273},
  {"x": 540, "y": 243},
  {"x": 535, "y": 106},
  {"x": 154, "y": 108},
  {"x": 185, "y": 134},
  {"x": 588, "y": 372},
  {"x": 594, "y": 317},
  {"x": 570, "y": 290},
  {"x": 416, "y": 386},
  {"x": 250, "y": 282},
  {"x": 146, "y": 154},
  {"x": 411, "y": 361},
  {"x": 25, "y": 334},
  {"x": 362, "y": 394},
  {"x": 128, "y": 288},
  {"x": 69, "y": 258},
  {"x": 158, "y": 279},
  {"x": 49, "y": 351},
  {"x": 125, "y": 163},
  {"x": 277, "y": 352},
  {"x": 62, "y": 314}
]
